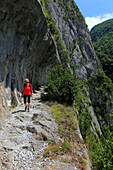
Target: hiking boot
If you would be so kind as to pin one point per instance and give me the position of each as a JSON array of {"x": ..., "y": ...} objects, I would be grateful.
[
  {"x": 25, "y": 108},
  {"x": 28, "y": 109}
]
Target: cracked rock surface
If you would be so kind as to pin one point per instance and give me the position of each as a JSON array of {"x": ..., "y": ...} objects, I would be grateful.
[{"x": 23, "y": 139}]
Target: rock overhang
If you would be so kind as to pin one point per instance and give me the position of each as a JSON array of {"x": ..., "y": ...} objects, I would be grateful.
[
  {"x": 27, "y": 48},
  {"x": 25, "y": 40}
]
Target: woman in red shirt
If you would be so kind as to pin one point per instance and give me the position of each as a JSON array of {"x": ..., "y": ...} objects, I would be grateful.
[{"x": 27, "y": 92}]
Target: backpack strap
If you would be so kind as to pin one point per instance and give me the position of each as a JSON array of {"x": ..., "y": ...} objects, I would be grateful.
[{"x": 29, "y": 85}]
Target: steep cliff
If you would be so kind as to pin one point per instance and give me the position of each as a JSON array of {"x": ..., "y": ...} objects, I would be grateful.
[
  {"x": 26, "y": 47},
  {"x": 71, "y": 35},
  {"x": 29, "y": 48}
]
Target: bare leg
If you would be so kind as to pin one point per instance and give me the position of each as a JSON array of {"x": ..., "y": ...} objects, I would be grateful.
[{"x": 28, "y": 105}]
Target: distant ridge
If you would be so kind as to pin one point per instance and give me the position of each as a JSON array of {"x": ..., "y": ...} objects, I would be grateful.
[{"x": 102, "y": 38}]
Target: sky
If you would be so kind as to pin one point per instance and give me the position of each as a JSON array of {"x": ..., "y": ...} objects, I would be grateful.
[{"x": 95, "y": 11}]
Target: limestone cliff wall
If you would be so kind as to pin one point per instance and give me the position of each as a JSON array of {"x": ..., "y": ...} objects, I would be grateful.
[
  {"x": 26, "y": 46},
  {"x": 75, "y": 36}
]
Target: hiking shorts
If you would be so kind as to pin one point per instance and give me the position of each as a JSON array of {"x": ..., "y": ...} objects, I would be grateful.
[{"x": 27, "y": 96}]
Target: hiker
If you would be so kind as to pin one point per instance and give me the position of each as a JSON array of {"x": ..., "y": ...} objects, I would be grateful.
[{"x": 27, "y": 92}]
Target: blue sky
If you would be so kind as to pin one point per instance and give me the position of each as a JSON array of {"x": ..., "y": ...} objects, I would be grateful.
[{"x": 95, "y": 11}]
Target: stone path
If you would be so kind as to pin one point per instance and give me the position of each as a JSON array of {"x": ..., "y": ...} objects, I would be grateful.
[{"x": 23, "y": 139}]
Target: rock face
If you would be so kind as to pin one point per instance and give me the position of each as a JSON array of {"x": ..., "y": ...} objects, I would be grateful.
[
  {"x": 75, "y": 36},
  {"x": 27, "y": 48}
]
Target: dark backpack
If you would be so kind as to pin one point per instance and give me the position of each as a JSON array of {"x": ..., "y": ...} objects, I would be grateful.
[{"x": 29, "y": 85}]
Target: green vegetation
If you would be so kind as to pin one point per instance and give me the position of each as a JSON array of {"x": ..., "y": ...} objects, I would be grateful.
[
  {"x": 72, "y": 10},
  {"x": 65, "y": 88},
  {"x": 51, "y": 24},
  {"x": 62, "y": 86},
  {"x": 54, "y": 31},
  {"x": 101, "y": 94},
  {"x": 102, "y": 38},
  {"x": 12, "y": 106},
  {"x": 67, "y": 126},
  {"x": 101, "y": 151}
]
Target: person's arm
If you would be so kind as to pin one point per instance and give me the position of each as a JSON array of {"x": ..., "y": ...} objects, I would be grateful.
[{"x": 31, "y": 92}]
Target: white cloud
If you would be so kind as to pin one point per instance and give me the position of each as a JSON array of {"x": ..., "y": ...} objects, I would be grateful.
[{"x": 92, "y": 21}]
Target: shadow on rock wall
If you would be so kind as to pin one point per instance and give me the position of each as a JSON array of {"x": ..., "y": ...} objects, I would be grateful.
[{"x": 26, "y": 46}]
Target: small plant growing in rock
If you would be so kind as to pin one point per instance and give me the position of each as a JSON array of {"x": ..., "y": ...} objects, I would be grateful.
[
  {"x": 46, "y": 154},
  {"x": 51, "y": 141},
  {"x": 13, "y": 106}
]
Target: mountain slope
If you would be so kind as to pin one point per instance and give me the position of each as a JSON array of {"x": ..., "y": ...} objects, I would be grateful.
[
  {"x": 102, "y": 38},
  {"x": 36, "y": 35}
]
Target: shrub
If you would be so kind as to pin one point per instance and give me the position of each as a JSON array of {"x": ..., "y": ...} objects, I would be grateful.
[{"x": 62, "y": 86}]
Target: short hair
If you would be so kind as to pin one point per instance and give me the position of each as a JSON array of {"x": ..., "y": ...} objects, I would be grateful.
[{"x": 26, "y": 80}]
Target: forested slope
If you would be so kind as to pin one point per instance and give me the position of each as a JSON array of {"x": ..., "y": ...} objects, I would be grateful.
[{"x": 102, "y": 37}]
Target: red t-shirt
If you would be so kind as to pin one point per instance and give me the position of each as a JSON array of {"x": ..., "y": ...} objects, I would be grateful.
[{"x": 27, "y": 89}]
